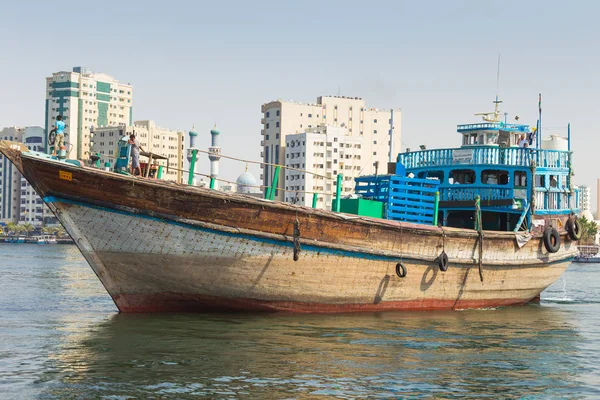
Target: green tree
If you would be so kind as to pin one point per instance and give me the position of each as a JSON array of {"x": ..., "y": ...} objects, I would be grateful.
[
  {"x": 27, "y": 228},
  {"x": 11, "y": 227},
  {"x": 589, "y": 230}
]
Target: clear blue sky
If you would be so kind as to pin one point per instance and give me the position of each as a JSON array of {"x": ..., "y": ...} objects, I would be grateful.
[{"x": 194, "y": 62}]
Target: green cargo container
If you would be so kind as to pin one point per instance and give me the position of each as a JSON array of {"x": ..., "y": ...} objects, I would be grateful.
[{"x": 365, "y": 208}]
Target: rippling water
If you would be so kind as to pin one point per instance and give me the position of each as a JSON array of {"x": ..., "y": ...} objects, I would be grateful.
[{"x": 61, "y": 337}]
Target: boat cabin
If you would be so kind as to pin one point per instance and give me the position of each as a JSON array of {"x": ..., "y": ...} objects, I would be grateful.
[{"x": 519, "y": 182}]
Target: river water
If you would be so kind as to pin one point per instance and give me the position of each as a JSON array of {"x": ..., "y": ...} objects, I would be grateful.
[{"x": 61, "y": 337}]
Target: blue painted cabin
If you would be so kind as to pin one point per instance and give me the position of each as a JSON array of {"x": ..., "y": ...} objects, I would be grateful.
[{"x": 516, "y": 185}]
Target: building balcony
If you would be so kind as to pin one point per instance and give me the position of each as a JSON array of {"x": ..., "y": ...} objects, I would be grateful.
[{"x": 263, "y": 121}]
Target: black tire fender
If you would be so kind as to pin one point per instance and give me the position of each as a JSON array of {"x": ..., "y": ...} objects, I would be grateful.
[
  {"x": 574, "y": 229},
  {"x": 551, "y": 240},
  {"x": 443, "y": 261},
  {"x": 400, "y": 270}
]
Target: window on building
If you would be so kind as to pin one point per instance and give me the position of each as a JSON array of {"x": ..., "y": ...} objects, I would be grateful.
[
  {"x": 278, "y": 113},
  {"x": 309, "y": 115},
  {"x": 267, "y": 125},
  {"x": 276, "y": 124},
  {"x": 267, "y": 114}
]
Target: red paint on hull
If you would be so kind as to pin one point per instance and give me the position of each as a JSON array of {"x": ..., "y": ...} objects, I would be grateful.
[{"x": 172, "y": 302}]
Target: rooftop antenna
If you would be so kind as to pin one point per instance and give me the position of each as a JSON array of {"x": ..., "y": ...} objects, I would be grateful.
[
  {"x": 495, "y": 115},
  {"x": 339, "y": 90}
]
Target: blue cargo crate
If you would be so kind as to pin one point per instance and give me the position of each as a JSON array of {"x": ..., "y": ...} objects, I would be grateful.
[{"x": 405, "y": 199}]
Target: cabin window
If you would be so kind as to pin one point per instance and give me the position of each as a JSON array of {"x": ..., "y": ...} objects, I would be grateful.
[
  {"x": 563, "y": 182},
  {"x": 520, "y": 179},
  {"x": 436, "y": 174},
  {"x": 540, "y": 181},
  {"x": 494, "y": 177},
  {"x": 462, "y": 176},
  {"x": 553, "y": 181},
  {"x": 492, "y": 138}
]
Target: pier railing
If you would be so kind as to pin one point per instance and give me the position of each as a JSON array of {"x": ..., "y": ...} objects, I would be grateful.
[{"x": 509, "y": 156}]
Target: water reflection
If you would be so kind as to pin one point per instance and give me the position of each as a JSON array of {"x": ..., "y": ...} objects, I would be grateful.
[{"x": 508, "y": 352}]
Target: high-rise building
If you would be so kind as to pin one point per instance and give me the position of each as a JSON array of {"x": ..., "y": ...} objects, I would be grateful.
[
  {"x": 324, "y": 152},
  {"x": 152, "y": 138},
  {"x": 10, "y": 180},
  {"x": 86, "y": 101},
  {"x": 33, "y": 210},
  {"x": 282, "y": 118},
  {"x": 585, "y": 194}
]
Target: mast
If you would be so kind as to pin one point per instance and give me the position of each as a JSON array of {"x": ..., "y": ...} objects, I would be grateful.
[{"x": 391, "y": 156}]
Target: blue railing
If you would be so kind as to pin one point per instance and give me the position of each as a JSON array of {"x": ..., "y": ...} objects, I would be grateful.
[
  {"x": 511, "y": 156},
  {"x": 461, "y": 193},
  {"x": 406, "y": 199},
  {"x": 493, "y": 126}
]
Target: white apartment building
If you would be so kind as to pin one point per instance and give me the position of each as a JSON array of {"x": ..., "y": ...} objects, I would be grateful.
[
  {"x": 10, "y": 180},
  {"x": 282, "y": 118},
  {"x": 326, "y": 151},
  {"x": 86, "y": 101},
  {"x": 33, "y": 210},
  {"x": 585, "y": 194},
  {"x": 152, "y": 138}
]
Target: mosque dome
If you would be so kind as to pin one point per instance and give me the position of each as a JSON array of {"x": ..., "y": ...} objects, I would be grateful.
[
  {"x": 214, "y": 131},
  {"x": 193, "y": 132},
  {"x": 246, "y": 183}
]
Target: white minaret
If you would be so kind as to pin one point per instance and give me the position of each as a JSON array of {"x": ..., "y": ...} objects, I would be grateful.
[
  {"x": 193, "y": 134},
  {"x": 214, "y": 155}
]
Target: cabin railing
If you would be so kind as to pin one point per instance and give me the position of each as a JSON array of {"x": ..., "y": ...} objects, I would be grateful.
[
  {"x": 493, "y": 126},
  {"x": 462, "y": 193},
  {"x": 555, "y": 201},
  {"x": 406, "y": 199},
  {"x": 511, "y": 156}
]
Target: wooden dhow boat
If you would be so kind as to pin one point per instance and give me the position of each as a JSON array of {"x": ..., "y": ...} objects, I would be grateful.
[{"x": 158, "y": 246}]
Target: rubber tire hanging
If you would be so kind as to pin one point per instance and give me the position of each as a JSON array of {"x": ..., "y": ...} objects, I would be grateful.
[
  {"x": 551, "y": 240},
  {"x": 443, "y": 261},
  {"x": 400, "y": 270},
  {"x": 574, "y": 229}
]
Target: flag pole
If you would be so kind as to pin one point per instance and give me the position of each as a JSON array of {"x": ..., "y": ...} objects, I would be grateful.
[{"x": 540, "y": 120}]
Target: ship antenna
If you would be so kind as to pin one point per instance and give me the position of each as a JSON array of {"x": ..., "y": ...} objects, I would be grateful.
[
  {"x": 497, "y": 102},
  {"x": 495, "y": 115}
]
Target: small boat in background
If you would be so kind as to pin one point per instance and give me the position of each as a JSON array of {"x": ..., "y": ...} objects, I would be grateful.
[
  {"x": 588, "y": 254},
  {"x": 45, "y": 239}
]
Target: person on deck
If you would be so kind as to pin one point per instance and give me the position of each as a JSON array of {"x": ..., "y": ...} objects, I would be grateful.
[
  {"x": 522, "y": 141},
  {"x": 59, "y": 140},
  {"x": 135, "y": 154}
]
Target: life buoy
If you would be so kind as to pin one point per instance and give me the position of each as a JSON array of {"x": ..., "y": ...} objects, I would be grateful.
[
  {"x": 400, "y": 270},
  {"x": 443, "y": 261},
  {"x": 574, "y": 229},
  {"x": 551, "y": 240}
]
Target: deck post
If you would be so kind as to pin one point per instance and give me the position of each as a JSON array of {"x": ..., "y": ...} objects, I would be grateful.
[
  {"x": 192, "y": 167},
  {"x": 435, "y": 208},
  {"x": 160, "y": 172},
  {"x": 338, "y": 193},
  {"x": 477, "y": 213},
  {"x": 314, "y": 202},
  {"x": 273, "y": 188},
  {"x": 212, "y": 183}
]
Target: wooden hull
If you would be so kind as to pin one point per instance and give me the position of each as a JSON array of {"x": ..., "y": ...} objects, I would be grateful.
[{"x": 160, "y": 246}]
